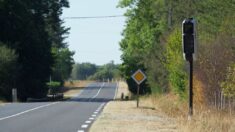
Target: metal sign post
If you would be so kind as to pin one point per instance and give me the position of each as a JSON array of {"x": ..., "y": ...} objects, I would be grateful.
[
  {"x": 191, "y": 86},
  {"x": 138, "y": 92},
  {"x": 139, "y": 77},
  {"x": 189, "y": 50}
]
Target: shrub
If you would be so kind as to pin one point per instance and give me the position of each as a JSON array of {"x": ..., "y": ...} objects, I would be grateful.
[
  {"x": 54, "y": 87},
  {"x": 175, "y": 64},
  {"x": 228, "y": 85}
]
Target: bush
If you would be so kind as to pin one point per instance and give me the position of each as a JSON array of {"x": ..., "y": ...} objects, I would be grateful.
[
  {"x": 175, "y": 64},
  {"x": 228, "y": 85},
  {"x": 54, "y": 87}
]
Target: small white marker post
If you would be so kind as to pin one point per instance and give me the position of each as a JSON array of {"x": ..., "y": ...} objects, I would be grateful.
[
  {"x": 139, "y": 77},
  {"x": 14, "y": 95}
]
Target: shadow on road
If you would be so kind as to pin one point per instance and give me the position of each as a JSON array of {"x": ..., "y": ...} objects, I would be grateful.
[{"x": 99, "y": 100}]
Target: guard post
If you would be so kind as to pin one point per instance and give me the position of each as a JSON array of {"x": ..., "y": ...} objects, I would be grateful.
[
  {"x": 14, "y": 95},
  {"x": 189, "y": 48}
]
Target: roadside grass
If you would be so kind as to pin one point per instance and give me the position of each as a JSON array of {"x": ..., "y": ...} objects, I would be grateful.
[
  {"x": 204, "y": 119},
  {"x": 161, "y": 113}
]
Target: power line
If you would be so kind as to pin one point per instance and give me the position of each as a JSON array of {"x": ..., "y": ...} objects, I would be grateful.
[{"x": 94, "y": 17}]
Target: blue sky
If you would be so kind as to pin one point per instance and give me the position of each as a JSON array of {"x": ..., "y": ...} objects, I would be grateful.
[{"x": 94, "y": 40}]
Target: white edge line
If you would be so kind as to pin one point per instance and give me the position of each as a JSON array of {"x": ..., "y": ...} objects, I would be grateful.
[
  {"x": 80, "y": 131},
  {"x": 88, "y": 122},
  {"x": 28, "y": 111},
  {"x": 116, "y": 91},
  {"x": 84, "y": 126}
]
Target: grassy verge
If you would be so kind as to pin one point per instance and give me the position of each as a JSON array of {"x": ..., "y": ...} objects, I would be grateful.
[
  {"x": 160, "y": 113},
  {"x": 204, "y": 120}
]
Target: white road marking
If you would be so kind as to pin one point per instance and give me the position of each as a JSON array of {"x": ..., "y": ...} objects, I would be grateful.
[
  {"x": 116, "y": 91},
  {"x": 93, "y": 115},
  {"x": 80, "y": 130},
  {"x": 88, "y": 122},
  {"x": 28, "y": 111},
  {"x": 95, "y": 112},
  {"x": 98, "y": 91},
  {"x": 84, "y": 126},
  {"x": 91, "y": 118}
]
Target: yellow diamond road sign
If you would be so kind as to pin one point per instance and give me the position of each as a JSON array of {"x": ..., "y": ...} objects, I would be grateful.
[{"x": 139, "y": 76}]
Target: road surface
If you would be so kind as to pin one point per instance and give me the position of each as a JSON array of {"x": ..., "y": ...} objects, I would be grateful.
[{"x": 75, "y": 115}]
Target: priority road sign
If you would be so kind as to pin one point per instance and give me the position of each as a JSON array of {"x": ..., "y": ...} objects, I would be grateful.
[{"x": 139, "y": 76}]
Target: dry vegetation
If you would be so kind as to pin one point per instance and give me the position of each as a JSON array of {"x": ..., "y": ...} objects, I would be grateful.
[
  {"x": 161, "y": 113},
  {"x": 205, "y": 119}
]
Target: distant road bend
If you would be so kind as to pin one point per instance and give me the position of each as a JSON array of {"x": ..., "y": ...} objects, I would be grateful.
[{"x": 75, "y": 115}]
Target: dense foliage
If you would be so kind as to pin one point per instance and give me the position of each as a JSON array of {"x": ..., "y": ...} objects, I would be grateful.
[
  {"x": 88, "y": 71},
  {"x": 33, "y": 29},
  {"x": 8, "y": 71},
  {"x": 152, "y": 42}
]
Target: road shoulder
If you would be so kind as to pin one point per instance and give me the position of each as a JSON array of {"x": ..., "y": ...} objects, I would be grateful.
[{"x": 124, "y": 116}]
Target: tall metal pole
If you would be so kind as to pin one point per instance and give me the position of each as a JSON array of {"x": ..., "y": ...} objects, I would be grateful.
[
  {"x": 138, "y": 92},
  {"x": 191, "y": 86}
]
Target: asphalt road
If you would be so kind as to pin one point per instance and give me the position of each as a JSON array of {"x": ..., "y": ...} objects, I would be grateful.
[{"x": 75, "y": 115}]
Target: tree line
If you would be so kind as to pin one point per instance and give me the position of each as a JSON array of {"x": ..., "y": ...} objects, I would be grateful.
[
  {"x": 89, "y": 71},
  {"x": 32, "y": 47},
  {"x": 152, "y": 41}
]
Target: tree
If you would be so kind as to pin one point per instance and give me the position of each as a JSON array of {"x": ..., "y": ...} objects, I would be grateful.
[
  {"x": 152, "y": 41},
  {"x": 8, "y": 71},
  {"x": 25, "y": 28},
  {"x": 63, "y": 65},
  {"x": 83, "y": 71}
]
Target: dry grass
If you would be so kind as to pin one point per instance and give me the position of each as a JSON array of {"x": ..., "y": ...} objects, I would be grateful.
[
  {"x": 154, "y": 113},
  {"x": 124, "y": 116},
  {"x": 71, "y": 89},
  {"x": 204, "y": 119}
]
